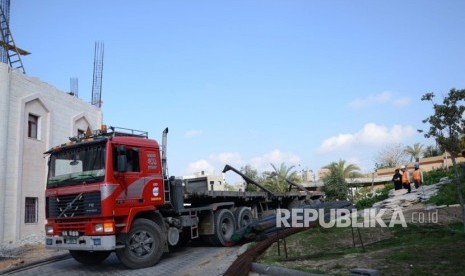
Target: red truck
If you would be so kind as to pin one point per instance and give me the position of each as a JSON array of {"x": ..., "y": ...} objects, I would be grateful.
[{"x": 110, "y": 191}]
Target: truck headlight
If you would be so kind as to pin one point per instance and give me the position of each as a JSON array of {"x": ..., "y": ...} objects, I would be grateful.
[
  {"x": 49, "y": 230},
  {"x": 98, "y": 227},
  {"x": 107, "y": 227}
]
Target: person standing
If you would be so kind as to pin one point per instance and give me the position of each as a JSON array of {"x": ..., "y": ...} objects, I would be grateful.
[
  {"x": 405, "y": 179},
  {"x": 417, "y": 176},
  {"x": 397, "y": 179}
]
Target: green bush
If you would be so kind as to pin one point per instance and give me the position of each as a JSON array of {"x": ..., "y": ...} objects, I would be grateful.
[
  {"x": 372, "y": 198},
  {"x": 447, "y": 195},
  {"x": 433, "y": 177}
]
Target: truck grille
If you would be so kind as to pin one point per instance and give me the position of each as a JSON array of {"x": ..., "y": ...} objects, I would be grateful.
[{"x": 76, "y": 205}]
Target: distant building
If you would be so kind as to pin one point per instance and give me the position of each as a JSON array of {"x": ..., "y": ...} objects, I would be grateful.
[
  {"x": 34, "y": 116},
  {"x": 204, "y": 182},
  {"x": 322, "y": 173}
]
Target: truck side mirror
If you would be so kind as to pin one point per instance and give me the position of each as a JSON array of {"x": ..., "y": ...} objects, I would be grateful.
[{"x": 122, "y": 161}]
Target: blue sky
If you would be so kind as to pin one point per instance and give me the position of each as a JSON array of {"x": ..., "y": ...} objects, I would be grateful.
[{"x": 254, "y": 82}]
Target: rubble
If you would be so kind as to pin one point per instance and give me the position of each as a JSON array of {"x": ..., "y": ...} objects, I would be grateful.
[{"x": 402, "y": 199}]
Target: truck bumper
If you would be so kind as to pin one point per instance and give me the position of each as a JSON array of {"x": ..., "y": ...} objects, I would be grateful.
[{"x": 86, "y": 243}]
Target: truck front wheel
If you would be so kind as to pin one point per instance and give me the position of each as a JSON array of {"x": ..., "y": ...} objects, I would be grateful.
[
  {"x": 143, "y": 246},
  {"x": 89, "y": 257}
]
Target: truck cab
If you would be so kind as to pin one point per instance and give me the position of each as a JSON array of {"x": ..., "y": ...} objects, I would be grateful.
[{"x": 96, "y": 186}]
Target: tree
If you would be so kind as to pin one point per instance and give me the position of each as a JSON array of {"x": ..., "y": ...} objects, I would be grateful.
[
  {"x": 447, "y": 127},
  {"x": 415, "y": 151},
  {"x": 276, "y": 180},
  {"x": 336, "y": 186},
  {"x": 391, "y": 156},
  {"x": 431, "y": 151},
  {"x": 251, "y": 173}
]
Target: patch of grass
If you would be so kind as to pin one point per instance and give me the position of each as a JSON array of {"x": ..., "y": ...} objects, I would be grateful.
[
  {"x": 447, "y": 195},
  {"x": 415, "y": 250},
  {"x": 251, "y": 245}
]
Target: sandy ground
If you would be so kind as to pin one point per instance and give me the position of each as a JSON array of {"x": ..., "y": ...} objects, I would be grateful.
[{"x": 26, "y": 254}]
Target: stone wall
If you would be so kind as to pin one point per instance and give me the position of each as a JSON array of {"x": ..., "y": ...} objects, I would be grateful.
[{"x": 426, "y": 164}]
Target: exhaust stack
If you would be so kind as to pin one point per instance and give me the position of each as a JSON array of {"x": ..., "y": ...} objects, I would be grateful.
[{"x": 164, "y": 163}]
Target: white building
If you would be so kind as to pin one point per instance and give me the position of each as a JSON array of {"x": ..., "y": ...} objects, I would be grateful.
[
  {"x": 205, "y": 182},
  {"x": 34, "y": 116}
]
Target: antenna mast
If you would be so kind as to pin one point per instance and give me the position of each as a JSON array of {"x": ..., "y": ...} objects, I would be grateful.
[
  {"x": 73, "y": 82},
  {"x": 98, "y": 70}
]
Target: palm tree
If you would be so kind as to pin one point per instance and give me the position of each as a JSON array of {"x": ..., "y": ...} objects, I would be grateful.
[
  {"x": 336, "y": 186},
  {"x": 340, "y": 168},
  {"x": 276, "y": 179},
  {"x": 414, "y": 151},
  {"x": 431, "y": 151}
]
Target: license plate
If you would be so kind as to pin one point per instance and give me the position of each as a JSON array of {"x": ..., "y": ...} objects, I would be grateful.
[{"x": 71, "y": 241}]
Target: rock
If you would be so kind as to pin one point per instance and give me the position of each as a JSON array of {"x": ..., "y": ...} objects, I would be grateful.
[
  {"x": 402, "y": 199},
  {"x": 444, "y": 179},
  {"x": 393, "y": 193}
]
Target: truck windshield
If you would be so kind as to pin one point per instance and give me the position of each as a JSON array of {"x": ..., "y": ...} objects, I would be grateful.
[{"x": 76, "y": 166}]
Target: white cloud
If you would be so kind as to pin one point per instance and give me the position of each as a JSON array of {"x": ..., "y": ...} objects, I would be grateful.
[
  {"x": 380, "y": 98},
  {"x": 200, "y": 165},
  {"x": 371, "y": 100},
  {"x": 227, "y": 158},
  {"x": 370, "y": 135},
  {"x": 192, "y": 133},
  {"x": 274, "y": 157},
  {"x": 401, "y": 101}
]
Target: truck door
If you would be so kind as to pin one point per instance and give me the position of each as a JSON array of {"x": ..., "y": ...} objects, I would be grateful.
[
  {"x": 151, "y": 168},
  {"x": 131, "y": 177}
]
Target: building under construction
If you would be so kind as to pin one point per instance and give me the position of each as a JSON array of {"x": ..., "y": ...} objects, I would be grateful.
[{"x": 34, "y": 116}]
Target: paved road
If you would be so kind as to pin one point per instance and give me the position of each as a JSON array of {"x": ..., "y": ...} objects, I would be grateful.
[{"x": 186, "y": 262}]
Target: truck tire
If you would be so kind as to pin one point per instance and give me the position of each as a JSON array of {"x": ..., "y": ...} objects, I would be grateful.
[
  {"x": 143, "y": 246},
  {"x": 243, "y": 217},
  {"x": 89, "y": 257},
  {"x": 224, "y": 224}
]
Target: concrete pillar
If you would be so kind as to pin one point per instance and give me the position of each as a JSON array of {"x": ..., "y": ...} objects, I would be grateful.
[{"x": 4, "y": 115}]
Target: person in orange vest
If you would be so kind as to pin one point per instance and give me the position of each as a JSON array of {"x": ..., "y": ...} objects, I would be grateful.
[
  {"x": 405, "y": 179},
  {"x": 417, "y": 176}
]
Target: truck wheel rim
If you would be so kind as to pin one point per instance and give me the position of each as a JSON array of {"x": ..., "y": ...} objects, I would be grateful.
[
  {"x": 226, "y": 227},
  {"x": 141, "y": 243}
]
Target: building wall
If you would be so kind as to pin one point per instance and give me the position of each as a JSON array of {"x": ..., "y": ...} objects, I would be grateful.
[
  {"x": 426, "y": 164},
  {"x": 23, "y": 166}
]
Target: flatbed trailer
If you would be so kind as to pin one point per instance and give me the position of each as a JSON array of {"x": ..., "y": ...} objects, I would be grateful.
[{"x": 110, "y": 192}]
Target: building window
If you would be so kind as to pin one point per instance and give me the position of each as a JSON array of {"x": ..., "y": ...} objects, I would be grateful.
[
  {"x": 33, "y": 126},
  {"x": 81, "y": 133},
  {"x": 30, "y": 210}
]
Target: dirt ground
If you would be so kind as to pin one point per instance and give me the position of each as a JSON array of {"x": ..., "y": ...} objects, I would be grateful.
[{"x": 25, "y": 255}]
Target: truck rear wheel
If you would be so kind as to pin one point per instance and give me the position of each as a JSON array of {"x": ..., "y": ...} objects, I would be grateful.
[
  {"x": 243, "y": 216},
  {"x": 143, "y": 246},
  {"x": 224, "y": 224},
  {"x": 89, "y": 257}
]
